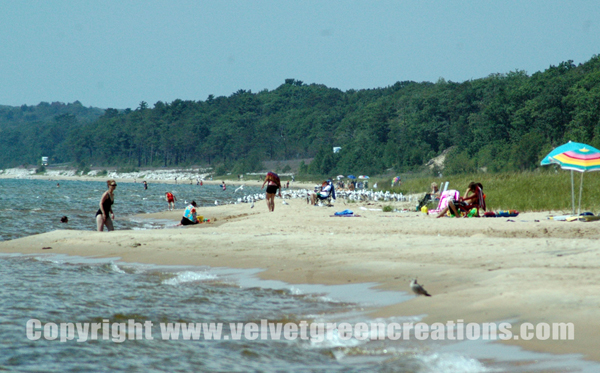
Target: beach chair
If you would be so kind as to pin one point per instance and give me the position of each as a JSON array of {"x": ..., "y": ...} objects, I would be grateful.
[
  {"x": 329, "y": 200},
  {"x": 429, "y": 198}
]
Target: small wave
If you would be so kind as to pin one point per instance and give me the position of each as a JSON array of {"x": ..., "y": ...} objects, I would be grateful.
[
  {"x": 50, "y": 259},
  {"x": 115, "y": 268},
  {"x": 187, "y": 276},
  {"x": 295, "y": 291},
  {"x": 332, "y": 339}
]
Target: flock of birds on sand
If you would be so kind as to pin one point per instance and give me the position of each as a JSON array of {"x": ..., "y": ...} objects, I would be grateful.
[{"x": 362, "y": 195}]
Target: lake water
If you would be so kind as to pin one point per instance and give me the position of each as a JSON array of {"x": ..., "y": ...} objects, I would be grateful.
[
  {"x": 35, "y": 206},
  {"x": 57, "y": 290}
]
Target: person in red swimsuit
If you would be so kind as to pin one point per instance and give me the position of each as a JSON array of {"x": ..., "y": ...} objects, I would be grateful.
[{"x": 170, "y": 200}]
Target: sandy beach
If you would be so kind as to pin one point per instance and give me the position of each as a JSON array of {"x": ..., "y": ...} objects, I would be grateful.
[{"x": 530, "y": 269}]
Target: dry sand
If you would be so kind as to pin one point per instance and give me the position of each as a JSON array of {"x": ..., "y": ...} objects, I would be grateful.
[{"x": 530, "y": 270}]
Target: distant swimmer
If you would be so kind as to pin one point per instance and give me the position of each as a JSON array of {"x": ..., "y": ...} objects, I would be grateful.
[
  {"x": 145, "y": 185},
  {"x": 64, "y": 219},
  {"x": 224, "y": 186}
]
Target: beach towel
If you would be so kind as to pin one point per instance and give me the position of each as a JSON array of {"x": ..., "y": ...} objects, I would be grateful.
[
  {"x": 444, "y": 199},
  {"x": 344, "y": 213},
  {"x": 501, "y": 214},
  {"x": 480, "y": 198},
  {"x": 332, "y": 189}
]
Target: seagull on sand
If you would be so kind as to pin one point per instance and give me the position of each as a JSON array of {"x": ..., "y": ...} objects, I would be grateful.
[{"x": 418, "y": 289}]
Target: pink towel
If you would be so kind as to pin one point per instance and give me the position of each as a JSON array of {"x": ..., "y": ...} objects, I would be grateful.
[{"x": 444, "y": 199}]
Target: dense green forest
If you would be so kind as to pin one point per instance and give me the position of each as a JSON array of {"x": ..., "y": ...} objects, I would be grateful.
[{"x": 498, "y": 123}]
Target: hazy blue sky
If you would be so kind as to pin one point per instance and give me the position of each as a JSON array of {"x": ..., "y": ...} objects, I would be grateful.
[{"x": 118, "y": 53}]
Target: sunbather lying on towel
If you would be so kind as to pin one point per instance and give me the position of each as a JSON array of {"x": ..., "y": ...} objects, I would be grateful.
[{"x": 473, "y": 198}]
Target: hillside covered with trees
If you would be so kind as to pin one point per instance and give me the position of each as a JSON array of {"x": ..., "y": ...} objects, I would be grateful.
[{"x": 498, "y": 123}]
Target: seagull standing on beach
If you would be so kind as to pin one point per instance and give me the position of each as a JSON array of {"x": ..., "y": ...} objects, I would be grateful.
[{"x": 418, "y": 289}]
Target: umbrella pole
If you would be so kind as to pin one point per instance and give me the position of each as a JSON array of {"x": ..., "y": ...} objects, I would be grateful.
[
  {"x": 580, "y": 190},
  {"x": 572, "y": 194}
]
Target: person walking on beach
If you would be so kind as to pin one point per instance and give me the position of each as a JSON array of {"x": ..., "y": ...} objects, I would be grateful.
[
  {"x": 273, "y": 184},
  {"x": 170, "y": 200},
  {"x": 106, "y": 202}
]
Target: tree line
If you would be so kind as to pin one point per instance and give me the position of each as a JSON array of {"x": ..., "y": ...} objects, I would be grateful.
[{"x": 498, "y": 123}]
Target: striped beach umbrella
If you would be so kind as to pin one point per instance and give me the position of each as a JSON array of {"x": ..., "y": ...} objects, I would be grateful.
[{"x": 574, "y": 156}]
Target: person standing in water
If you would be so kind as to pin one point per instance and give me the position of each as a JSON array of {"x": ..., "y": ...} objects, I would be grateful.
[
  {"x": 106, "y": 202},
  {"x": 170, "y": 200},
  {"x": 145, "y": 185}
]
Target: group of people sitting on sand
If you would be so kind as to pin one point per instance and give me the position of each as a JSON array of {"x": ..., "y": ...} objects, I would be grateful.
[{"x": 470, "y": 204}]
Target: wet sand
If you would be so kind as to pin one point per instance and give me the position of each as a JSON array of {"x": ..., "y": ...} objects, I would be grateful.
[{"x": 530, "y": 269}]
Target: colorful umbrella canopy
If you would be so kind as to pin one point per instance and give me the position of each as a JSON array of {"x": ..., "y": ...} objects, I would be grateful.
[
  {"x": 574, "y": 156},
  {"x": 578, "y": 157},
  {"x": 351, "y": 177}
]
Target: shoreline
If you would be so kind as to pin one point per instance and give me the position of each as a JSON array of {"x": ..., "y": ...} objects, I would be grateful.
[
  {"x": 478, "y": 270},
  {"x": 155, "y": 177}
]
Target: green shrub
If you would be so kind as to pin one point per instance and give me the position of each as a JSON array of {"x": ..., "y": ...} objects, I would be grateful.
[{"x": 127, "y": 169}]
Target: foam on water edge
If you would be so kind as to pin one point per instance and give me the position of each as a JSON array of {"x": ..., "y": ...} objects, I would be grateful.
[{"x": 189, "y": 276}]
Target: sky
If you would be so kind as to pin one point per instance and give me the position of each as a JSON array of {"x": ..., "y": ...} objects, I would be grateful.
[{"x": 118, "y": 53}]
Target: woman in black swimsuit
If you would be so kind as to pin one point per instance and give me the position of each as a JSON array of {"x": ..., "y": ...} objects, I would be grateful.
[
  {"x": 273, "y": 184},
  {"x": 106, "y": 202}
]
